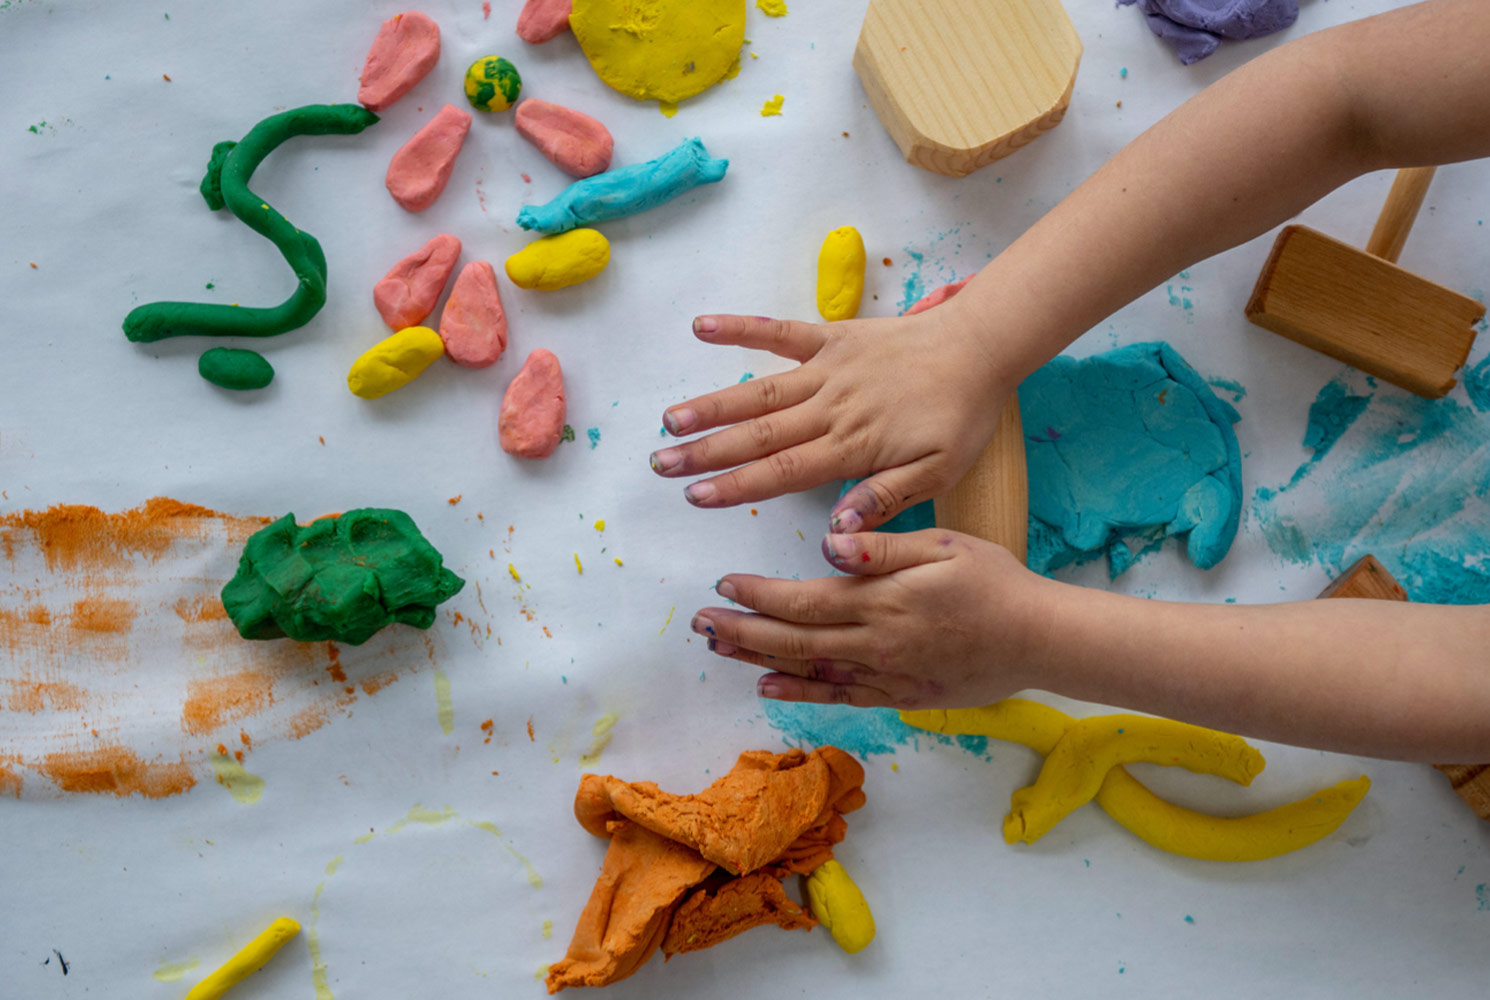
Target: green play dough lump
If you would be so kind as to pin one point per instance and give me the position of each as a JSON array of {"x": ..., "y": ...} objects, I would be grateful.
[
  {"x": 341, "y": 578},
  {"x": 232, "y": 368}
]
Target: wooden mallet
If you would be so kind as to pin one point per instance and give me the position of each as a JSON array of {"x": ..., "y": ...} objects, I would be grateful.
[
  {"x": 1360, "y": 307},
  {"x": 961, "y": 83}
]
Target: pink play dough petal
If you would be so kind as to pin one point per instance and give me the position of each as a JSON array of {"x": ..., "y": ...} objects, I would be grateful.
[
  {"x": 474, "y": 325},
  {"x": 421, "y": 168},
  {"x": 532, "y": 418},
  {"x": 408, "y": 292},
  {"x": 577, "y": 144},
  {"x": 543, "y": 20},
  {"x": 406, "y": 49}
]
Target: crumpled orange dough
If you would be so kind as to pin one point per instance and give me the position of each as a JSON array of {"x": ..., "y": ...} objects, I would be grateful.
[{"x": 772, "y": 815}]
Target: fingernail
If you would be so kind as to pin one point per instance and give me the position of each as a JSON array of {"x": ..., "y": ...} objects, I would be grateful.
[
  {"x": 702, "y": 625},
  {"x": 679, "y": 421},
  {"x": 700, "y": 493},
  {"x": 722, "y": 648},
  {"x": 766, "y": 687},
  {"x": 846, "y": 521},
  {"x": 705, "y": 324},
  {"x": 725, "y": 589},
  {"x": 839, "y": 548},
  {"x": 666, "y": 461}
]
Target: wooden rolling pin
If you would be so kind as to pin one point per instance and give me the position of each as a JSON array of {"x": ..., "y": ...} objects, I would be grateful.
[{"x": 992, "y": 502}]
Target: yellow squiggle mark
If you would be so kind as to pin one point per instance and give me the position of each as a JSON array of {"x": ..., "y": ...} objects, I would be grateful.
[
  {"x": 1158, "y": 823},
  {"x": 445, "y": 708},
  {"x": 171, "y": 972},
  {"x": 548, "y": 929},
  {"x": 602, "y": 734},
  {"x": 244, "y": 787},
  {"x": 313, "y": 943},
  {"x": 534, "y": 879}
]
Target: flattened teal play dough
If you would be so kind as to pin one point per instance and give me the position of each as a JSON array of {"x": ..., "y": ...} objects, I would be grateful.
[
  {"x": 626, "y": 190},
  {"x": 342, "y": 578},
  {"x": 1124, "y": 448}
]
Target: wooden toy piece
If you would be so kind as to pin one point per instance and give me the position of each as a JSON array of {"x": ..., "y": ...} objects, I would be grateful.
[
  {"x": 992, "y": 501},
  {"x": 1360, "y": 307},
  {"x": 961, "y": 83},
  {"x": 1370, "y": 579}
]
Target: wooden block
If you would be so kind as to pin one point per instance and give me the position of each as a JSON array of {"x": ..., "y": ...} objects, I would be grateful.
[
  {"x": 1370, "y": 579},
  {"x": 992, "y": 501},
  {"x": 1364, "y": 311},
  {"x": 961, "y": 83}
]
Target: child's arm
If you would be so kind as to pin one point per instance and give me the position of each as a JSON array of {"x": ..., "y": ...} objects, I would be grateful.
[{"x": 1410, "y": 87}]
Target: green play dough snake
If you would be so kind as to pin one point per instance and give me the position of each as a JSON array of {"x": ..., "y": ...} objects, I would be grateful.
[{"x": 228, "y": 173}]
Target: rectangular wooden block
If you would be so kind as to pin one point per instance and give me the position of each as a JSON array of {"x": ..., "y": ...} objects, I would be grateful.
[
  {"x": 1369, "y": 579},
  {"x": 1364, "y": 311}
]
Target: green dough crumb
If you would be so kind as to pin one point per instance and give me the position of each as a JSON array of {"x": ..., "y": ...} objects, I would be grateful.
[
  {"x": 232, "y": 368},
  {"x": 341, "y": 578},
  {"x": 568, "y": 433}
]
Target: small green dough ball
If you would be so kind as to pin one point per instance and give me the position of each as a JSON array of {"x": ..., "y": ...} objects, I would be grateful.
[
  {"x": 492, "y": 84},
  {"x": 231, "y": 368}
]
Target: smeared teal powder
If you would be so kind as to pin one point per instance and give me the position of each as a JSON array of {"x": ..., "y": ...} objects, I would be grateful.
[
  {"x": 1399, "y": 477},
  {"x": 1482, "y": 897},
  {"x": 860, "y": 731},
  {"x": 1477, "y": 385}
]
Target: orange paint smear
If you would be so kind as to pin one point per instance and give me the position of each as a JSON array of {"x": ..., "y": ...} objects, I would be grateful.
[
  {"x": 211, "y": 703},
  {"x": 206, "y": 608},
  {"x": 97, "y": 614},
  {"x": 76, "y": 536},
  {"x": 115, "y": 770},
  {"x": 36, "y": 696}
]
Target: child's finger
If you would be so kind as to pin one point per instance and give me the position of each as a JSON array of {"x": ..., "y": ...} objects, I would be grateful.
[
  {"x": 744, "y": 401},
  {"x": 875, "y": 553},
  {"x": 741, "y": 443},
  {"x": 729, "y": 630},
  {"x": 827, "y": 601},
  {"x": 826, "y": 671},
  {"x": 785, "y": 687},
  {"x": 790, "y": 471},
  {"x": 783, "y": 337},
  {"x": 880, "y": 497}
]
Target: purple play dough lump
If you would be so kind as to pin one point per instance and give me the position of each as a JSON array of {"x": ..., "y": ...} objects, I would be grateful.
[{"x": 1196, "y": 28}]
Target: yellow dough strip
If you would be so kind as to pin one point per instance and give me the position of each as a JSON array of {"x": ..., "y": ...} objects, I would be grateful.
[
  {"x": 248, "y": 961},
  {"x": 1161, "y": 824}
]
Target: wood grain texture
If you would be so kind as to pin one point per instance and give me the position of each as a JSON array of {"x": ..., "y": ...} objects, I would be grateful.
[
  {"x": 1369, "y": 579},
  {"x": 1401, "y": 210},
  {"x": 992, "y": 501},
  {"x": 1364, "y": 311},
  {"x": 961, "y": 83}
]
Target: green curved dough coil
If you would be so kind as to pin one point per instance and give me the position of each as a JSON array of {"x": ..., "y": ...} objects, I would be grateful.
[{"x": 228, "y": 172}]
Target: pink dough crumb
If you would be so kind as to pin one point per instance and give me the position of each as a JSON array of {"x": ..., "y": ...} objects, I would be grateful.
[
  {"x": 409, "y": 291},
  {"x": 474, "y": 325},
  {"x": 575, "y": 143},
  {"x": 406, "y": 49},
  {"x": 531, "y": 422},
  {"x": 939, "y": 296},
  {"x": 420, "y": 170},
  {"x": 543, "y": 20}
]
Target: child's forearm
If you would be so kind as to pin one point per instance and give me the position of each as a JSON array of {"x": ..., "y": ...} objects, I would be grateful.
[
  {"x": 1410, "y": 87},
  {"x": 1377, "y": 678}
]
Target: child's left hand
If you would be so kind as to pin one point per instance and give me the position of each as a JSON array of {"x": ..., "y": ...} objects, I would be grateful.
[{"x": 928, "y": 619}]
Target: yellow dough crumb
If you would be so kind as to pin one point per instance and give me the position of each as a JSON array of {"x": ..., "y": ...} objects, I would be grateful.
[
  {"x": 839, "y": 906},
  {"x": 394, "y": 362},
  {"x": 840, "y": 274},
  {"x": 773, "y": 106},
  {"x": 772, "y": 8}
]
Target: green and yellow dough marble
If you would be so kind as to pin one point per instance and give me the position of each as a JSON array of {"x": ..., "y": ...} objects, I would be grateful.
[
  {"x": 492, "y": 84},
  {"x": 339, "y": 578}
]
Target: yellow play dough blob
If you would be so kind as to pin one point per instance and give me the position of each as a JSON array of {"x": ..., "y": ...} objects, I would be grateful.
[
  {"x": 248, "y": 961},
  {"x": 1158, "y": 823},
  {"x": 839, "y": 906},
  {"x": 559, "y": 261},
  {"x": 394, "y": 362},
  {"x": 660, "y": 50},
  {"x": 773, "y": 106},
  {"x": 840, "y": 274}
]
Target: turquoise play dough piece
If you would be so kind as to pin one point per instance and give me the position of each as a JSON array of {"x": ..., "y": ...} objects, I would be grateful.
[
  {"x": 626, "y": 190},
  {"x": 1127, "y": 447}
]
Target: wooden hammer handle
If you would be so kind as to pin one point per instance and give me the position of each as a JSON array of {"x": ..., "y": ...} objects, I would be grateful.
[
  {"x": 1399, "y": 213},
  {"x": 992, "y": 501}
]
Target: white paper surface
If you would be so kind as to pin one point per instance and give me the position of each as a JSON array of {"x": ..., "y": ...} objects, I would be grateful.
[{"x": 102, "y": 199}]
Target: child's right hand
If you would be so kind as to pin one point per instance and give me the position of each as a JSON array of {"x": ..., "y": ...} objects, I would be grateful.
[{"x": 908, "y": 402}]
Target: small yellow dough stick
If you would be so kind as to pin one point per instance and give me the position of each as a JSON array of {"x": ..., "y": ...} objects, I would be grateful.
[
  {"x": 248, "y": 961},
  {"x": 1074, "y": 770},
  {"x": 840, "y": 274},
  {"x": 1160, "y": 824},
  {"x": 394, "y": 362},
  {"x": 839, "y": 906}
]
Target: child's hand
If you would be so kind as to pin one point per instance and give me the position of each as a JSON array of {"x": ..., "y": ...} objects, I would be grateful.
[
  {"x": 909, "y": 402},
  {"x": 929, "y": 619}
]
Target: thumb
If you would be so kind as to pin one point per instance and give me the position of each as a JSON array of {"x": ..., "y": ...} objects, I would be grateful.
[
  {"x": 877, "y": 553},
  {"x": 877, "y": 499}
]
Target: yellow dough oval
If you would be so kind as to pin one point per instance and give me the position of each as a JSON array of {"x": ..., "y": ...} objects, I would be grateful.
[
  {"x": 394, "y": 362},
  {"x": 840, "y": 274},
  {"x": 839, "y": 906},
  {"x": 559, "y": 261},
  {"x": 660, "y": 50}
]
